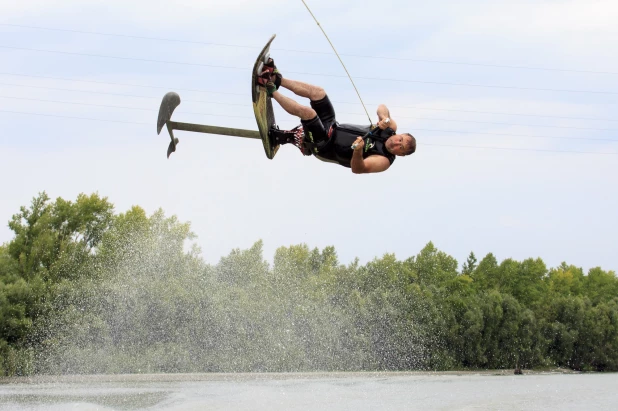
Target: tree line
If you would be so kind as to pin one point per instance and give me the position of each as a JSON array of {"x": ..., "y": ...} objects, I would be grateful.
[{"x": 84, "y": 289}]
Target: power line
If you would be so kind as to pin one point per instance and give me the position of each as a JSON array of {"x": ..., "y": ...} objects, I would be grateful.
[
  {"x": 96, "y": 92},
  {"x": 517, "y": 149},
  {"x": 507, "y": 124},
  {"x": 312, "y": 52},
  {"x": 76, "y": 118},
  {"x": 515, "y": 135},
  {"x": 314, "y": 74},
  {"x": 122, "y": 58},
  {"x": 338, "y": 102},
  {"x": 122, "y": 84},
  {"x": 124, "y": 107},
  {"x": 498, "y": 113},
  {"x": 247, "y": 117},
  {"x": 114, "y": 94},
  {"x": 428, "y": 144}
]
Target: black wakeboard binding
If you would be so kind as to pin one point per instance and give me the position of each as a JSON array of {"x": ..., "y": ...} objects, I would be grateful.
[{"x": 296, "y": 136}]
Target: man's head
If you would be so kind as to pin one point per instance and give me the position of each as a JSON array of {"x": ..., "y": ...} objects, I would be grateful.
[{"x": 401, "y": 144}]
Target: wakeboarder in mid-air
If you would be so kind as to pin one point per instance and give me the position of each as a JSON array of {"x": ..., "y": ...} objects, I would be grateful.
[{"x": 355, "y": 146}]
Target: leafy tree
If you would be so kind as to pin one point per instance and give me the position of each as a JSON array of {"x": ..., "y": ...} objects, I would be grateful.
[
  {"x": 433, "y": 267},
  {"x": 601, "y": 286},
  {"x": 486, "y": 275},
  {"x": 47, "y": 231},
  {"x": 565, "y": 280},
  {"x": 469, "y": 265},
  {"x": 524, "y": 281}
]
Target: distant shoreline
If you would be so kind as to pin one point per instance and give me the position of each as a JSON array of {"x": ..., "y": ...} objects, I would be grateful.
[{"x": 41, "y": 379}]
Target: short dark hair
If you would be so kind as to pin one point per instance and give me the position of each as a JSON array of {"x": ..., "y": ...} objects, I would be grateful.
[{"x": 412, "y": 147}]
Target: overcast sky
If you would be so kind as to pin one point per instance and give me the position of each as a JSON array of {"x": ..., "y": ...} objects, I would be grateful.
[{"x": 513, "y": 104}]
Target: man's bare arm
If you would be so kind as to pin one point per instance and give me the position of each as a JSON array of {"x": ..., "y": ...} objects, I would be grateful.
[{"x": 371, "y": 164}]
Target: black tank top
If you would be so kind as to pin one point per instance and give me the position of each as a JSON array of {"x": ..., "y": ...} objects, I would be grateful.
[{"x": 343, "y": 136}]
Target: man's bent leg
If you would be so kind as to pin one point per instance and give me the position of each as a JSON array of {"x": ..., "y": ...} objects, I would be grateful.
[
  {"x": 301, "y": 89},
  {"x": 314, "y": 131},
  {"x": 293, "y": 108}
]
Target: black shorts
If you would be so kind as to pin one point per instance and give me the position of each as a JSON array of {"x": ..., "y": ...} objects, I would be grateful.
[{"x": 318, "y": 128}]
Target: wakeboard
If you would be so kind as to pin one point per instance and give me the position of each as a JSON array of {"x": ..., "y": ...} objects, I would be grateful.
[{"x": 262, "y": 104}]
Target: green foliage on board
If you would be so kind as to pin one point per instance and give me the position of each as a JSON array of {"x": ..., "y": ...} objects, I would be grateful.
[{"x": 86, "y": 290}]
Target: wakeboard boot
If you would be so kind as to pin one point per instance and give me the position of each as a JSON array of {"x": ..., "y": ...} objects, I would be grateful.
[
  {"x": 275, "y": 74},
  {"x": 296, "y": 136}
]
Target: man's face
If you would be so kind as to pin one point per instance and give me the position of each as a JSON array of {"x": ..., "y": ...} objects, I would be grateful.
[{"x": 398, "y": 144}]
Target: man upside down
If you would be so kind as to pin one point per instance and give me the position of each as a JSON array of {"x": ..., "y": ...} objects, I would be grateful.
[{"x": 340, "y": 143}]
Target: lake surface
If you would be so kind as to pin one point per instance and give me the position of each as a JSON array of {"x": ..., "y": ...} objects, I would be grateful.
[{"x": 314, "y": 391}]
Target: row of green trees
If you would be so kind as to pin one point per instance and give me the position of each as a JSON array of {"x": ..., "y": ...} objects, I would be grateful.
[{"x": 86, "y": 290}]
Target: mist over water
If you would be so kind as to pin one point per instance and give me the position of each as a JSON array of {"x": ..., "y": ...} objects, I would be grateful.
[
  {"x": 147, "y": 306},
  {"x": 91, "y": 292}
]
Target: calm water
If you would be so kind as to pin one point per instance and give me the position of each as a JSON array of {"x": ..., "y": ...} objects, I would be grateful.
[{"x": 323, "y": 391}]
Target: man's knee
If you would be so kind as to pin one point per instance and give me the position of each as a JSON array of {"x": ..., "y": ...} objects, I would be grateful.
[
  {"x": 317, "y": 93},
  {"x": 307, "y": 113}
]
